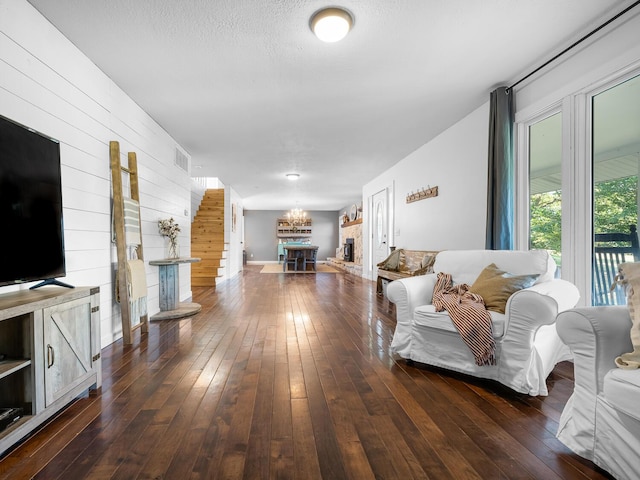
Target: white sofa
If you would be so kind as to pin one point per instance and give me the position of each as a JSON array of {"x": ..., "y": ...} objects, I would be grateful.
[
  {"x": 527, "y": 344},
  {"x": 601, "y": 420}
]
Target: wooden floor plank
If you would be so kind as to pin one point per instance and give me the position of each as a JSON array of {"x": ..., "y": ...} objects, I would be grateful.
[{"x": 291, "y": 376}]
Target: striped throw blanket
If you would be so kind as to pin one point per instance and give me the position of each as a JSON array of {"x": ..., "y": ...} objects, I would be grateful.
[
  {"x": 469, "y": 315},
  {"x": 131, "y": 221}
]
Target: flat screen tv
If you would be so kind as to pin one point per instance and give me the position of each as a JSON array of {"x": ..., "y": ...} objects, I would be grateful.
[{"x": 31, "y": 227}]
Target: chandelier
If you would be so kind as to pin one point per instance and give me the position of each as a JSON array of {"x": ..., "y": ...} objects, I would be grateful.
[{"x": 296, "y": 216}]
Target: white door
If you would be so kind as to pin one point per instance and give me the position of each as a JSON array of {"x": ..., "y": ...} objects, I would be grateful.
[{"x": 380, "y": 215}]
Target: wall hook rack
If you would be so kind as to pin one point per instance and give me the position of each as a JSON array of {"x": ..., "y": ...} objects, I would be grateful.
[{"x": 422, "y": 194}]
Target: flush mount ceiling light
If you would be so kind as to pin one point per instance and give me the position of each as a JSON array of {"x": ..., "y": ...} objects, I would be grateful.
[
  {"x": 293, "y": 176},
  {"x": 331, "y": 24}
]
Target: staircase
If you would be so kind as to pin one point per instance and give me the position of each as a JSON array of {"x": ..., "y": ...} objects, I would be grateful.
[{"x": 207, "y": 239}]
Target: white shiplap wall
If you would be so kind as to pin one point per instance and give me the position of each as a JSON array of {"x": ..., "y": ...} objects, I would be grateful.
[{"x": 47, "y": 84}]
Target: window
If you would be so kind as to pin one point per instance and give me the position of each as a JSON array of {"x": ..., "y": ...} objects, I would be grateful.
[{"x": 545, "y": 186}]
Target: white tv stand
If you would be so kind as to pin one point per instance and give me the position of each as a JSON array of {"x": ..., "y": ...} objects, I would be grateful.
[{"x": 49, "y": 351}]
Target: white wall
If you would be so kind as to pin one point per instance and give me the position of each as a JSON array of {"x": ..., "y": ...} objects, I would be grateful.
[
  {"x": 198, "y": 188},
  {"x": 46, "y": 83},
  {"x": 455, "y": 162}
]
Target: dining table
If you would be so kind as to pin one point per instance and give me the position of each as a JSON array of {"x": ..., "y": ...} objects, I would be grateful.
[{"x": 296, "y": 254}]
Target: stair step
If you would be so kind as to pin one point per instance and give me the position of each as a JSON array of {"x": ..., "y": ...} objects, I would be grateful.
[
  {"x": 203, "y": 282},
  {"x": 207, "y": 239},
  {"x": 207, "y": 236},
  {"x": 210, "y": 206},
  {"x": 208, "y": 269},
  {"x": 208, "y": 228},
  {"x": 206, "y": 253},
  {"x": 211, "y": 272},
  {"x": 211, "y": 254},
  {"x": 208, "y": 216}
]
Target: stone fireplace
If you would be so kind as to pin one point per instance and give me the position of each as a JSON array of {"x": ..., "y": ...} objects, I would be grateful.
[
  {"x": 350, "y": 241},
  {"x": 354, "y": 233}
]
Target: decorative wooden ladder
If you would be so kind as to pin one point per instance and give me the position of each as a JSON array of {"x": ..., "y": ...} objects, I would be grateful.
[
  {"x": 117, "y": 171},
  {"x": 207, "y": 239}
]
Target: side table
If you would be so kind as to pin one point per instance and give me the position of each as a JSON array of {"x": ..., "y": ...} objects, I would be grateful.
[{"x": 170, "y": 305}]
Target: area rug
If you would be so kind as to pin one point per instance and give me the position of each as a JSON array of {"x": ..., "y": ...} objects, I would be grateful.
[{"x": 277, "y": 268}]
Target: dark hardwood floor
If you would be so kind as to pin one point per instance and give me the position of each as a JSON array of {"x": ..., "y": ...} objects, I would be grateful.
[{"x": 290, "y": 376}]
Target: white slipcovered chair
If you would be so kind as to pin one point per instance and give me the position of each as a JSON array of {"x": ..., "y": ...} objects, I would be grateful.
[
  {"x": 527, "y": 344},
  {"x": 601, "y": 420}
]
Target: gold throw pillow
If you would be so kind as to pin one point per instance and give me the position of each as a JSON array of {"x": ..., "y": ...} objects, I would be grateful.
[{"x": 495, "y": 286}]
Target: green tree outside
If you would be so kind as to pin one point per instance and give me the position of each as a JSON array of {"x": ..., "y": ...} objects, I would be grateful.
[
  {"x": 615, "y": 208},
  {"x": 616, "y": 205}
]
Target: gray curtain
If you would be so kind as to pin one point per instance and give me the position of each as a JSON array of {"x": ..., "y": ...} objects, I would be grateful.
[{"x": 501, "y": 178}]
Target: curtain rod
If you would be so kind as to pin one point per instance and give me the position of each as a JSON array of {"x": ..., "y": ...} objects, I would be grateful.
[{"x": 592, "y": 32}]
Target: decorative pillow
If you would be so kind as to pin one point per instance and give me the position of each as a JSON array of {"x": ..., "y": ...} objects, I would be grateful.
[
  {"x": 392, "y": 262},
  {"x": 495, "y": 286},
  {"x": 428, "y": 260},
  {"x": 412, "y": 262}
]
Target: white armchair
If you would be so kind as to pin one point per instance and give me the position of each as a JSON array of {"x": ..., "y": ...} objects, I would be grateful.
[
  {"x": 601, "y": 420},
  {"x": 527, "y": 344}
]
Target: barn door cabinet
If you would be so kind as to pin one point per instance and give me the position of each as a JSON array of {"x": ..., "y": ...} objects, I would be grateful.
[{"x": 49, "y": 354}]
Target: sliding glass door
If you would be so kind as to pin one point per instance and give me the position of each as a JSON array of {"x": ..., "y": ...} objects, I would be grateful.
[{"x": 615, "y": 166}]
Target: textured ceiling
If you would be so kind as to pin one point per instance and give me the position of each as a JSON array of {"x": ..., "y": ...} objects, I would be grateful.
[{"x": 251, "y": 94}]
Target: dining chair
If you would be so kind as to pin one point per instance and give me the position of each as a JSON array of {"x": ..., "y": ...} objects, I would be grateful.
[
  {"x": 309, "y": 257},
  {"x": 291, "y": 257}
]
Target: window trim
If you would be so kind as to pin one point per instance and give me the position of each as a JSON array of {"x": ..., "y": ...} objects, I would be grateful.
[{"x": 522, "y": 173}]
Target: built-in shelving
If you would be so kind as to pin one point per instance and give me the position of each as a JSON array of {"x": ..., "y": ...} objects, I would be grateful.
[
  {"x": 286, "y": 228},
  {"x": 7, "y": 367}
]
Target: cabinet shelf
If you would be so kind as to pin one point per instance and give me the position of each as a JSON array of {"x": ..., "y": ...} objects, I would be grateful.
[
  {"x": 17, "y": 424},
  {"x": 286, "y": 229},
  {"x": 7, "y": 367},
  {"x": 294, "y": 234}
]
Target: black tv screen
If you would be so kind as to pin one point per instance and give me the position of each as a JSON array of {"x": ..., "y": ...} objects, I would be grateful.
[{"x": 31, "y": 232}]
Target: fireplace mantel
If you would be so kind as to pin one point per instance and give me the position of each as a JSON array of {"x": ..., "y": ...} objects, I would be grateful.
[{"x": 349, "y": 224}]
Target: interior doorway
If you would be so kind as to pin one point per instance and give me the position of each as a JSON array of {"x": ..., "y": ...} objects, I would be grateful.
[{"x": 379, "y": 227}]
